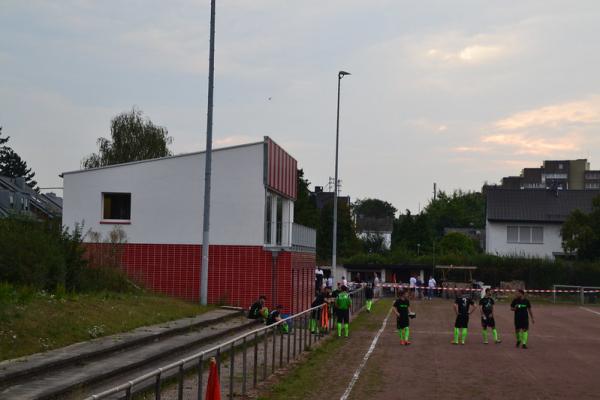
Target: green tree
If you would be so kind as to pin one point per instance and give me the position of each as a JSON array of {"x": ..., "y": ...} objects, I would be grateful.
[
  {"x": 459, "y": 210},
  {"x": 457, "y": 244},
  {"x": 581, "y": 233},
  {"x": 12, "y": 165},
  {"x": 347, "y": 242},
  {"x": 411, "y": 231},
  {"x": 374, "y": 208},
  {"x": 305, "y": 210},
  {"x": 134, "y": 138}
]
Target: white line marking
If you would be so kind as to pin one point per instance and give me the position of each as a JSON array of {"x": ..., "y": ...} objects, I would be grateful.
[
  {"x": 365, "y": 358},
  {"x": 592, "y": 311}
]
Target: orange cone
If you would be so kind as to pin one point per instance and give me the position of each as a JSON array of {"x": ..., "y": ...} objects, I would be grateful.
[
  {"x": 213, "y": 387},
  {"x": 325, "y": 316}
]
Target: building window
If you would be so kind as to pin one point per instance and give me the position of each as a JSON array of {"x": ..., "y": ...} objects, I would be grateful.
[
  {"x": 11, "y": 200},
  {"x": 525, "y": 234},
  {"x": 268, "y": 217},
  {"x": 537, "y": 234},
  {"x": 279, "y": 221},
  {"x": 116, "y": 206},
  {"x": 512, "y": 234}
]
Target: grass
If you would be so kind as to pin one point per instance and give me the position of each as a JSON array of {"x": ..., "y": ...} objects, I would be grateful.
[
  {"x": 306, "y": 380},
  {"x": 33, "y": 321}
]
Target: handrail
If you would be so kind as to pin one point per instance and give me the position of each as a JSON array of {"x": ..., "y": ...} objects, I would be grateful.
[{"x": 179, "y": 364}]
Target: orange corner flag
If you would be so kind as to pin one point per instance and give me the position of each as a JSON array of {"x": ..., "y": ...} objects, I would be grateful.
[{"x": 213, "y": 387}]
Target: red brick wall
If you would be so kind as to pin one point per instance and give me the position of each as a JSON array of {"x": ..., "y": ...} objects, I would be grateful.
[{"x": 237, "y": 274}]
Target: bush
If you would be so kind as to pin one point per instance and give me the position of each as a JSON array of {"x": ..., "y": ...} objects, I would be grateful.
[{"x": 42, "y": 255}]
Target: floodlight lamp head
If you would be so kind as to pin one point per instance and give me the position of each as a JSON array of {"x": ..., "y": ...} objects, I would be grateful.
[{"x": 341, "y": 74}]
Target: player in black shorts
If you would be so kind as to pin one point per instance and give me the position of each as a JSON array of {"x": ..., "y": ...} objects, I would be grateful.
[
  {"x": 486, "y": 307},
  {"x": 463, "y": 307},
  {"x": 522, "y": 308},
  {"x": 401, "y": 308}
]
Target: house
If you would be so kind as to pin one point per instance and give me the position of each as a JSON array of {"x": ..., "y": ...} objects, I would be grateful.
[
  {"x": 375, "y": 228},
  {"x": 527, "y": 222},
  {"x": 16, "y": 197},
  {"x": 255, "y": 246},
  {"x": 322, "y": 198}
]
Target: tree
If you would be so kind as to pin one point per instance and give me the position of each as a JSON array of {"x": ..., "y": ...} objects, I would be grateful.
[
  {"x": 305, "y": 210},
  {"x": 347, "y": 242},
  {"x": 134, "y": 138},
  {"x": 13, "y": 166},
  {"x": 374, "y": 208},
  {"x": 581, "y": 233},
  {"x": 459, "y": 210},
  {"x": 457, "y": 244}
]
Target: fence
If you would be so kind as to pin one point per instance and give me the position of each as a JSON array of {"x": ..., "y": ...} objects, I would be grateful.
[{"x": 250, "y": 354}]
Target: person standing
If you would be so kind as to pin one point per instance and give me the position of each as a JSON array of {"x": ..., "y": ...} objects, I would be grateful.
[
  {"x": 401, "y": 308},
  {"x": 344, "y": 281},
  {"x": 522, "y": 309},
  {"x": 412, "y": 284},
  {"x": 318, "y": 280},
  {"x": 369, "y": 296},
  {"x": 315, "y": 315},
  {"x": 463, "y": 307},
  {"x": 343, "y": 302},
  {"x": 329, "y": 282},
  {"x": 431, "y": 284},
  {"x": 486, "y": 308}
]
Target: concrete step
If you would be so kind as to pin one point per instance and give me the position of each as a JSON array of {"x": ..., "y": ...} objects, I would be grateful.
[
  {"x": 12, "y": 371},
  {"x": 78, "y": 377}
]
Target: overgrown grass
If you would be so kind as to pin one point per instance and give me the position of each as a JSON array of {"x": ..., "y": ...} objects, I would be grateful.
[
  {"x": 33, "y": 321},
  {"x": 308, "y": 378}
]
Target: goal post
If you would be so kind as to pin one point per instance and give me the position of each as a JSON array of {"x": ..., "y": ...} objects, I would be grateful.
[{"x": 580, "y": 294}]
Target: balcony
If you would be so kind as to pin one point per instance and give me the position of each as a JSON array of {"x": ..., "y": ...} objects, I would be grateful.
[
  {"x": 291, "y": 236},
  {"x": 303, "y": 237}
]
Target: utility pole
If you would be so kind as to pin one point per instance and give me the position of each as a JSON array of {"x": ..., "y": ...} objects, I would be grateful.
[{"x": 208, "y": 163}]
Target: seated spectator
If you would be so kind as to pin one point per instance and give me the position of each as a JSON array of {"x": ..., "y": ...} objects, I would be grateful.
[{"x": 258, "y": 309}]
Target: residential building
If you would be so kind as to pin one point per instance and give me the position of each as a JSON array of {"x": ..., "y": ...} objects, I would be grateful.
[
  {"x": 555, "y": 174},
  {"x": 255, "y": 246},
  {"x": 528, "y": 222},
  {"x": 323, "y": 198},
  {"x": 16, "y": 197},
  {"x": 371, "y": 227}
]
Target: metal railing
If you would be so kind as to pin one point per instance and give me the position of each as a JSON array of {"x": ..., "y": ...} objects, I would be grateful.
[
  {"x": 304, "y": 237},
  {"x": 249, "y": 359}
]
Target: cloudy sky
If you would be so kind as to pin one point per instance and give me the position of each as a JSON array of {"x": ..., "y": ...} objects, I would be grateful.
[{"x": 455, "y": 92}]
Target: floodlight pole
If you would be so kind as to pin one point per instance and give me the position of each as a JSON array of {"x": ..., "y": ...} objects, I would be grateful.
[
  {"x": 341, "y": 74},
  {"x": 208, "y": 161}
]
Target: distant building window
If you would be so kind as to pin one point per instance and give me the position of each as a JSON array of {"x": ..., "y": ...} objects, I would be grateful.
[
  {"x": 537, "y": 234},
  {"x": 525, "y": 234},
  {"x": 512, "y": 234},
  {"x": 116, "y": 206},
  {"x": 11, "y": 200}
]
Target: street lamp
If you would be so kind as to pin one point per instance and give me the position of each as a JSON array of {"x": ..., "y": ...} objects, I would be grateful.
[
  {"x": 208, "y": 161},
  {"x": 341, "y": 74}
]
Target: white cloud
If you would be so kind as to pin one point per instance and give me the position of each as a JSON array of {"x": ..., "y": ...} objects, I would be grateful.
[{"x": 558, "y": 130}]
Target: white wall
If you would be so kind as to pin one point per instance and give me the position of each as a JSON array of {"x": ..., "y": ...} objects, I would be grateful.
[
  {"x": 167, "y": 197},
  {"x": 496, "y": 240}
]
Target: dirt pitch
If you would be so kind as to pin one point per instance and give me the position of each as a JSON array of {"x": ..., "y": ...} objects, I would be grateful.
[{"x": 562, "y": 362}]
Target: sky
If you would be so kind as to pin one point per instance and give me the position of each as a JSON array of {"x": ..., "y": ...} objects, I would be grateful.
[{"x": 456, "y": 92}]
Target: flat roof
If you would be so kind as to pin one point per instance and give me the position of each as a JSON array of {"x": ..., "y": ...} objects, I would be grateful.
[{"x": 160, "y": 158}]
